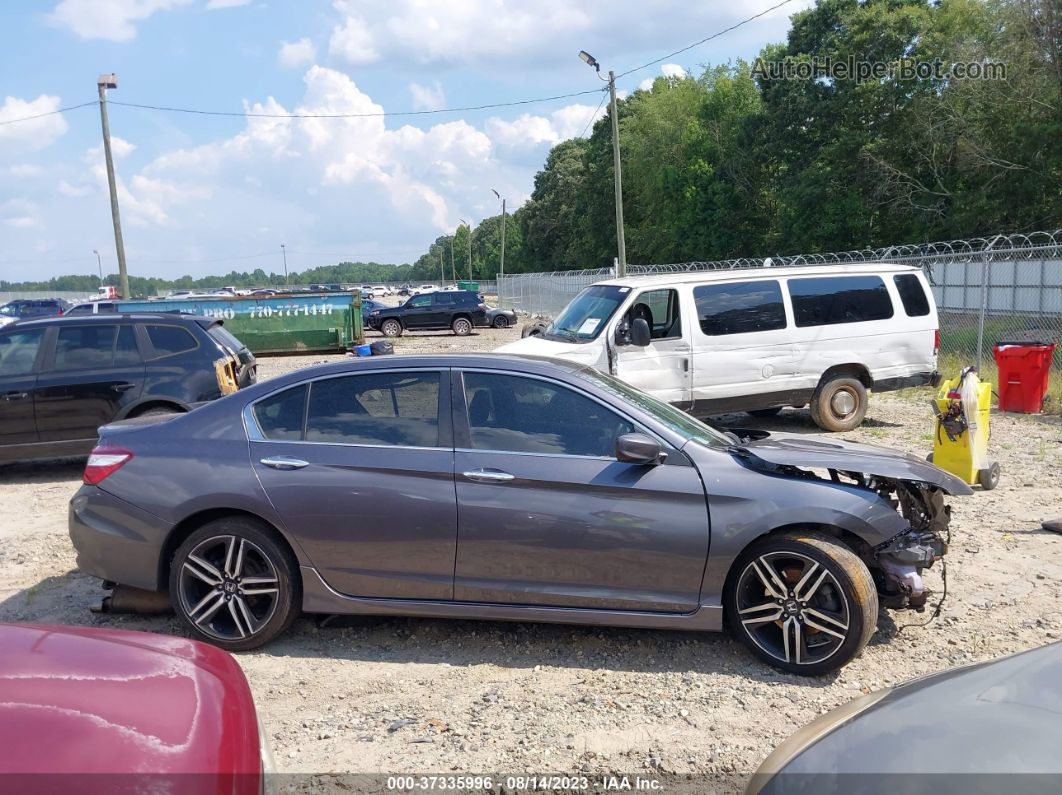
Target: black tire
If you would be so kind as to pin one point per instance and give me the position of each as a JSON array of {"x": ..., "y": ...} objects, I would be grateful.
[
  {"x": 391, "y": 328},
  {"x": 157, "y": 411},
  {"x": 224, "y": 619},
  {"x": 533, "y": 330},
  {"x": 929, "y": 458},
  {"x": 765, "y": 413},
  {"x": 839, "y": 404},
  {"x": 989, "y": 477},
  {"x": 841, "y": 614},
  {"x": 501, "y": 321},
  {"x": 461, "y": 326}
]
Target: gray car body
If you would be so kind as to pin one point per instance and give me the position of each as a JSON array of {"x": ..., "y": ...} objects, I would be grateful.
[
  {"x": 581, "y": 541},
  {"x": 989, "y": 727}
]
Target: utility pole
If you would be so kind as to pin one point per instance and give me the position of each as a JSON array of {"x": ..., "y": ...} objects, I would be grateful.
[
  {"x": 453, "y": 265},
  {"x": 99, "y": 264},
  {"x": 103, "y": 82},
  {"x": 621, "y": 244},
  {"x": 466, "y": 223},
  {"x": 501, "y": 265},
  {"x": 284, "y": 251},
  {"x": 442, "y": 268}
]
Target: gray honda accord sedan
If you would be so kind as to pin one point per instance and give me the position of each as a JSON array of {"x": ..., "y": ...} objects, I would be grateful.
[{"x": 505, "y": 488}]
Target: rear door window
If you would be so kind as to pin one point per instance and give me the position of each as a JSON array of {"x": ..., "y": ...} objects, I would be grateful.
[
  {"x": 832, "y": 300},
  {"x": 389, "y": 409},
  {"x": 280, "y": 417},
  {"x": 912, "y": 294},
  {"x": 168, "y": 340},
  {"x": 739, "y": 308},
  {"x": 86, "y": 347}
]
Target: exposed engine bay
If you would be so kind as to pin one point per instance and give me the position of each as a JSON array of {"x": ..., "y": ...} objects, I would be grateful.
[{"x": 915, "y": 489}]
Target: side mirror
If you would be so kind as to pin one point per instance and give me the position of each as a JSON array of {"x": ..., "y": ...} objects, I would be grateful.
[
  {"x": 637, "y": 448},
  {"x": 640, "y": 334}
]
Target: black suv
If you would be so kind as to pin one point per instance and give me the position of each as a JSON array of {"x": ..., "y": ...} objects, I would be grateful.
[
  {"x": 61, "y": 378},
  {"x": 460, "y": 310}
]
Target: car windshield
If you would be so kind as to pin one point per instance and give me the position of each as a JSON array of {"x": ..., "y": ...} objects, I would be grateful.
[
  {"x": 678, "y": 421},
  {"x": 9, "y": 309},
  {"x": 586, "y": 314}
]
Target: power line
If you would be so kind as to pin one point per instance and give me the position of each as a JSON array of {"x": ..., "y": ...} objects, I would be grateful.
[
  {"x": 49, "y": 113},
  {"x": 604, "y": 96},
  {"x": 735, "y": 26},
  {"x": 244, "y": 114}
]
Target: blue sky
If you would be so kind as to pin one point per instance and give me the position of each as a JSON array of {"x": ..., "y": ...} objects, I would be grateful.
[{"x": 206, "y": 194}]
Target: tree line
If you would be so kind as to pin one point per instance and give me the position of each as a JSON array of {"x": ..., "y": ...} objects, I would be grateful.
[{"x": 740, "y": 160}]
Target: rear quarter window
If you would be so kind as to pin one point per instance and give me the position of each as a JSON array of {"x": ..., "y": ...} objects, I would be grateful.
[
  {"x": 912, "y": 294},
  {"x": 280, "y": 417},
  {"x": 833, "y": 300},
  {"x": 168, "y": 340}
]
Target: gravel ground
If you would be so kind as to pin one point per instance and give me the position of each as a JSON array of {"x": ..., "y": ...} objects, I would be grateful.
[{"x": 413, "y": 696}]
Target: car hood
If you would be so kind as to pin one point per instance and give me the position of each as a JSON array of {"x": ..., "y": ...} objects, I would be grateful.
[
  {"x": 81, "y": 701},
  {"x": 799, "y": 451},
  {"x": 535, "y": 345}
]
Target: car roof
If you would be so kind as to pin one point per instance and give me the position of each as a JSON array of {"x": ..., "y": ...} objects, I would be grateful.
[
  {"x": 743, "y": 274},
  {"x": 500, "y": 361},
  {"x": 110, "y": 317}
]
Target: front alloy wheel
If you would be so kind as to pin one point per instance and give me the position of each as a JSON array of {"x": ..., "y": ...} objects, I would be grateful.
[
  {"x": 391, "y": 328},
  {"x": 233, "y": 585},
  {"x": 462, "y": 327},
  {"x": 803, "y": 603}
]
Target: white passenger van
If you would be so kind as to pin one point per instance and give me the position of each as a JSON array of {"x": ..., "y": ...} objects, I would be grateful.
[{"x": 755, "y": 339}]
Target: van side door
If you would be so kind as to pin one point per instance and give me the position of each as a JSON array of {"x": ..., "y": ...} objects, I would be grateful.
[{"x": 663, "y": 367}]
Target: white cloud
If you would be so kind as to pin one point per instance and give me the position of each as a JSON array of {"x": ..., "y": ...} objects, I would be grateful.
[
  {"x": 20, "y": 214},
  {"x": 214, "y": 5},
  {"x": 294, "y": 54},
  {"x": 119, "y": 148},
  {"x": 25, "y": 171},
  {"x": 107, "y": 19},
  {"x": 427, "y": 97},
  {"x": 33, "y": 134},
  {"x": 352, "y": 40},
  {"x": 529, "y": 131},
  {"x": 673, "y": 70},
  {"x": 73, "y": 191}
]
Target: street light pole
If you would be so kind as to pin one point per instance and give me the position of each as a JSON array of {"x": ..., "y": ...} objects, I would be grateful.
[
  {"x": 103, "y": 82},
  {"x": 284, "y": 251},
  {"x": 99, "y": 263},
  {"x": 501, "y": 266},
  {"x": 621, "y": 243}
]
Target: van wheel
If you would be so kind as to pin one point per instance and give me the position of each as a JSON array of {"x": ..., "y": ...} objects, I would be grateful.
[
  {"x": 391, "y": 328},
  {"x": 839, "y": 404},
  {"x": 462, "y": 326},
  {"x": 764, "y": 412},
  {"x": 802, "y": 602}
]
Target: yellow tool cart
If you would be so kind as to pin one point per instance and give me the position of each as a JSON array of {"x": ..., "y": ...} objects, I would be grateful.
[{"x": 960, "y": 444}]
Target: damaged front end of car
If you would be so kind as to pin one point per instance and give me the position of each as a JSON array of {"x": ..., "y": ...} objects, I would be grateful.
[{"x": 913, "y": 488}]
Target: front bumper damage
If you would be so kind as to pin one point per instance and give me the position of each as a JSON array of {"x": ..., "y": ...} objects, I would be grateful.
[{"x": 901, "y": 560}]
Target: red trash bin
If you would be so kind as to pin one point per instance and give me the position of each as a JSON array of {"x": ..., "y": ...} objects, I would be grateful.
[{"x": 1024, "y": 368}]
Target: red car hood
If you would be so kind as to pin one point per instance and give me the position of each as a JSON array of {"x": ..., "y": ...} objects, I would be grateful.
[{"x": 79, "y": 701}]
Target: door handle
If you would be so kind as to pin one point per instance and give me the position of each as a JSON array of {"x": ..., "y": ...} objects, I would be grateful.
[
  {"x": 122, "y": 387},
  {"x": 489, "y": 475},
  {"x": 9, "y": 396},
  {"x": 284, "y": 462}
]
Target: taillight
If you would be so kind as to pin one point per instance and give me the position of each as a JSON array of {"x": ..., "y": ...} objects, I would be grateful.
[
  {"x": 936, "y": 342},
  {"x": 103, "y": 462}
]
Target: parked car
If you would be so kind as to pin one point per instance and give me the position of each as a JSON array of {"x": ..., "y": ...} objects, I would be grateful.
[
  {"x": 264, "y": 293},
  {"x": 23, "y": 308},
  {"x": 500, "y": 318},
  {"x": 368, "y": 306},
  {"x": 61, "y": 378},
  {"x": 405, "y": 289},
  {"x": 460, "y": 311},
  {"x": 756, "y": 339},
  {"x": 427, "y": 288},
  {"x": 506, "y": 488},
  {"x": 382, "y": 291},
  {"x": 93, "y": 308},
  {"x": 126, "y": 711},
  {"x": 989, "y": 722}
]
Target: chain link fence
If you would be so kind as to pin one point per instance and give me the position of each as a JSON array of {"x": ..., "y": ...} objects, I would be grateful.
[{"x": 989, "y": 290}]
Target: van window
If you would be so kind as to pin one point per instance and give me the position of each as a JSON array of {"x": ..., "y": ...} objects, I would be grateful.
[
  {"x": 831, "y": 300},
  {"x": 740, "y": 307},
  {"x": 912, "y": 295},
  {"x": 660, "y": 309}
]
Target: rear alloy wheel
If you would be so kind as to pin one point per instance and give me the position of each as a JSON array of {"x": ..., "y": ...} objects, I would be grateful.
[
  {"x": 391, "y": 328},
  {"x": 462, "y": 326},
  {"x": 839, "y": 404},
  {"x": 804, "y": 603},
  {"x": 501, "y": 321},
  {"x": 233, "y": 585}
]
